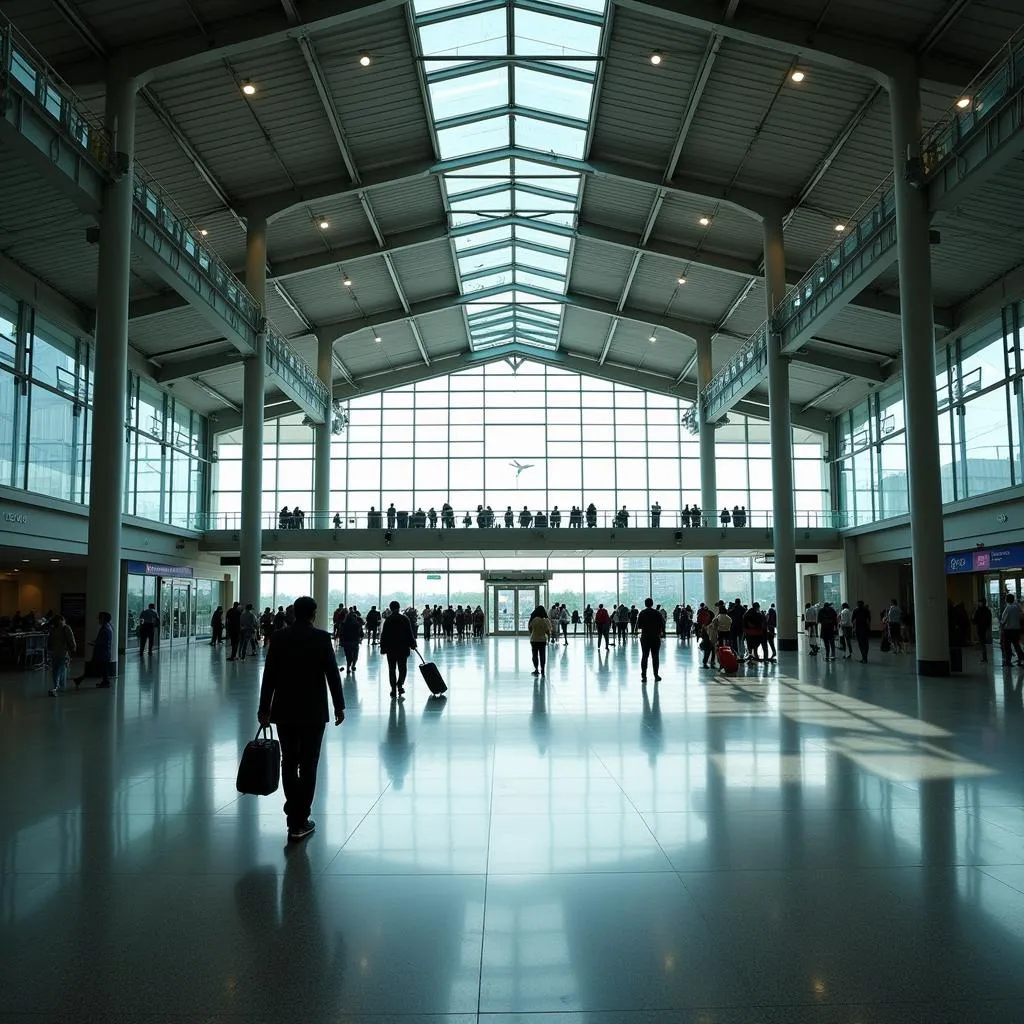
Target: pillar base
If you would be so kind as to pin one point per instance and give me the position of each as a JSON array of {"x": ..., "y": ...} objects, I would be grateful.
[
  {"x": 788, "y": 645},
  {"x": 932, "y": 668}
]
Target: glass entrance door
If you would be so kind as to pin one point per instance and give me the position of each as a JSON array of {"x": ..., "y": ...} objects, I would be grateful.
[
  {"x": 175, "y": 611},
  {"x": 511, "y": 609}
]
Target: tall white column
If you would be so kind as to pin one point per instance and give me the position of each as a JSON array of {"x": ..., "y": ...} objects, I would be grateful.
[
  {"x": 107, "y": 468},
  {"x": 924, "y": 478},
  {"x": 781, "y": 434},
  {"x": 708, "y": 482},
  {"x": 322, "y": 482},
  {"x": 253, "y": 394}
]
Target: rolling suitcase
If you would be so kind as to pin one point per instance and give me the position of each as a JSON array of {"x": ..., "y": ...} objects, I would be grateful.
[
  {"x": 432, "y": 676},
  {"x": 727, "y": 659}
]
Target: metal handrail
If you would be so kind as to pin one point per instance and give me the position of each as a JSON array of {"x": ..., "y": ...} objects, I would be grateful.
[
  {"x": 750, "y": 355},
  {"x": 344, "y": 519},
  {"x": 280, "y": 351}
]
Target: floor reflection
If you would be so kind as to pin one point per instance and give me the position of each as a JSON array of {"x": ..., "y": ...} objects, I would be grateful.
[{"x": 803, "y": 843}]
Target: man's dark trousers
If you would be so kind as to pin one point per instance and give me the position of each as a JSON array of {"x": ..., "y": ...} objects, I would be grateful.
[
  {"x": 652, "y": 649},
  {"x": 234, "y": 638},
  {"x": 146, "y": 632},
  {"x": 300, "y": 755}
]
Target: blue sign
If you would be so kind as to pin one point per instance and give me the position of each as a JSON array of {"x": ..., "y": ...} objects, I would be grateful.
[
  {"x": 153, "y": 569},
  {"x": 986, "y": 559}
]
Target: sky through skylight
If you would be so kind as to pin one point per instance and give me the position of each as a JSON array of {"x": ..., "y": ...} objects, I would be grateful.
[{"x": 512, "y": 136}]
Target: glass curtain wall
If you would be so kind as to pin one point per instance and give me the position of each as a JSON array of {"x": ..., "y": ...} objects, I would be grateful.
[
  {"x": 576, "y": 581},
  {"x": 540, "y": 437},
  {"x": 978, "y": 384},
  {"x": 46, "y": 396}
]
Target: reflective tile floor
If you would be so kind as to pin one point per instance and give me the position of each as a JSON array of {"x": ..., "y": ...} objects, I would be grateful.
[{"x": 804, "y": 843}]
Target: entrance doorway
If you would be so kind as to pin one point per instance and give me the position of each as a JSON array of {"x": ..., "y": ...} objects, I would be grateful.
[
  {"x": 511, "y": 598},
  {"x": 175, "y": 610},
  {"x": 510, "y": 614}
]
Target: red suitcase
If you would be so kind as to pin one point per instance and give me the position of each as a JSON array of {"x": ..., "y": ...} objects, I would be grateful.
[{"x": 727, "y": 659}]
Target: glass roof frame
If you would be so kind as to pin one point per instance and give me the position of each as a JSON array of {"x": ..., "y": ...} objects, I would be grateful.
[{"x": 543, "y": 41}]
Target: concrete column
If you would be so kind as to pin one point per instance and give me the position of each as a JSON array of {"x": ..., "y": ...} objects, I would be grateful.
[
  {"x": 107, "y": 468},
  {"x": 920, "y": 409},
  {"x": 253, "y": 393},
  {"x": 781, "y": 434},
  {"x": 708, "y": 483},
  {"x": 322, "y": 484}
]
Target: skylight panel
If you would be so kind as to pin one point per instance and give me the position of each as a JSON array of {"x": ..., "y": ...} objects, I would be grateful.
[
  {"x": 478, "y": 137},
  {"x": 550, "y": 138},
  {"x": 541, "y": 34},
  {"x": 468, "y": 179},
  {"x": 429, "y": 6},
  {"x": 541, "y": 260},
  {"x": 591, "y": 6},
  {"x": 553, "y": 93},
  {"x": 527, "y": 278},
  {"x": 551, "y": 178},
  {"x": 467, "y": 94},
  {"x": 541, "y": 237},
  {"x": 497, "y": 204},
  {"x": 485, "y": 236},
  {"x": 476, "y": 35},
  {"x": 527, "y": 199},
  {"x": 486, "y": 261},
  {"x": 479, "y": 284}
]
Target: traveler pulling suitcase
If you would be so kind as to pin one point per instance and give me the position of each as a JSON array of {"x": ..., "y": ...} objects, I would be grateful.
[
  {"x": 432, "y": 676},
  {"x": 727, "y": 659},
  {"x": 259, "y": 771}
]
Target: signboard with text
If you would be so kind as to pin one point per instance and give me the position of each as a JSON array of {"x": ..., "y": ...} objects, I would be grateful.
[
  {"x": 154, "y": 569},
  {"x": 986, "y": 559}
]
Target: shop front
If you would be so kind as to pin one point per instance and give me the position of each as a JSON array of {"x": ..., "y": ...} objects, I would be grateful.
[
  {"x": 184, "y": 604},
  {"x": 989, "y": 573}
]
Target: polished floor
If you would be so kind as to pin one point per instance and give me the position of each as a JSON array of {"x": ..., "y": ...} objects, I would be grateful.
[{"x": 805, "y": 842}]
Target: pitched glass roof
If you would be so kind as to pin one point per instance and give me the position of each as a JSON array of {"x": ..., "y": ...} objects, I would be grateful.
[{"x": 511, "y": 88}]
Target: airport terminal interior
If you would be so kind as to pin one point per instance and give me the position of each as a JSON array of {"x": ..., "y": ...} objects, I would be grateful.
[{"x": 481, "y": 306}]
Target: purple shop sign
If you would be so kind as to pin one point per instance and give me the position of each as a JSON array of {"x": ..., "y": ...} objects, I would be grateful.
[{"x": 986, "y": 559}]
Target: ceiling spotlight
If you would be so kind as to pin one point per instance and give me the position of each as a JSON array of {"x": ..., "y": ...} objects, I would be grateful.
[
  {"x": 840, "y": 227},
  {"x": 347, "y": 282},
  {"x": 203, "y": 232},
  {"x": 324, "y": 225},
  {"x": 377, "y": 338},
  {"x": 248, "y": 88},
  {"x": 797, "y": 76},
  {"x": 704, "y": 221},
  {"x": 964, "y": 102},
  {"x": 681, "y": 279},
  {"x": 656, "y": 59},
  {"x": 364, "y": 60},
  {"x": 653, "y": 338},
  {"x": 54, "y": 559},
  {"x": 24, "y": 560}
]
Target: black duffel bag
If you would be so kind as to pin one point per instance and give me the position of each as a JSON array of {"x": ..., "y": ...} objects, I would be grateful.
[{"x": 259, "y": 772}]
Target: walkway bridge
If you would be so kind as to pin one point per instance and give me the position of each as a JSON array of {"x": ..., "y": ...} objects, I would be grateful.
[
  {"x": 964, "y": 149},
  {"x": 350, "y": 534},
  {"x": 41, "y": 118}
]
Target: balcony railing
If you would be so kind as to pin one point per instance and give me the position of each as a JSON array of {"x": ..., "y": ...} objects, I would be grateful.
[
  {"x": 868, "y": 245},
  {"x": 84, "y": 154},
  {"x": 407, "y": 521}
]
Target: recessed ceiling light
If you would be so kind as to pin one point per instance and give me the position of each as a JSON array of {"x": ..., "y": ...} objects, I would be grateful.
[
  {"x": 203, "y": 232},
  {"x": 704, "y": 221},
  {"x": 681, "y": 279},
  {"x": 653, "y": 338},
  {"x": 964, "y": 102},
  {"x": 54, "y": 559},
  {"x": 347, "y": 282},
  {"x": 656, "y": 59},
  {"x": 364, "y": 59},
  {"x": 248, "y": 88},
  {"x": 24, "y": 560},
  {"x": 324, "y": 225},
  {"x": 797, "y": 76},
  {"x": 377, "y": 338},
  {"x": 840, "y": 227}
]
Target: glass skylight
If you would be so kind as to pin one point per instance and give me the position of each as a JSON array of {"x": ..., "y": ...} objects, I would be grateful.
[{"x": 511, "y": 91}]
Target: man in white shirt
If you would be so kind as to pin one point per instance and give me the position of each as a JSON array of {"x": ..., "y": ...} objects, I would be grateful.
[
  {"x": 846, "y": 630},
  {"x": 811, "y": 619}
]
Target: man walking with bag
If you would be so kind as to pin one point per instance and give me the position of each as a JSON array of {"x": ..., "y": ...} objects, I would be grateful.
[{"x": 300, "y": 660}]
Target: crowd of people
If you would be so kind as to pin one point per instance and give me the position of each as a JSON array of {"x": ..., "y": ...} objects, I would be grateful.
[{"x": 485, "y": 518}]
